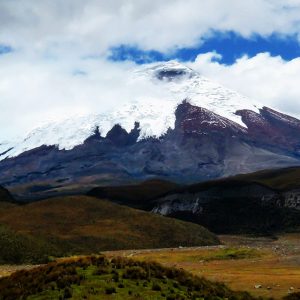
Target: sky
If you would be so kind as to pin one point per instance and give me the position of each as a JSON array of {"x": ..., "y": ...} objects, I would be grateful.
[{"x": 59, "y": 58}]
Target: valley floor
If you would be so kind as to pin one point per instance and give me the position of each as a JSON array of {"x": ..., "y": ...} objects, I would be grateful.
[
  {"x": 6, "y": 270},
  {"x": 261, "y": 266}
]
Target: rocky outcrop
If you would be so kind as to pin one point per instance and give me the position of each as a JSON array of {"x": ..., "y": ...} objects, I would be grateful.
[
  {"x": 291, "y": 199},
  {"x": 232, "y": 206},
  {"x": 196, "y": 202},
  {"x": 193, "y": 120}
]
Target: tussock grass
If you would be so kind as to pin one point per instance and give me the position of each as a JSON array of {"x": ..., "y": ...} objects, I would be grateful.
[{"x": 96, "y": 277}]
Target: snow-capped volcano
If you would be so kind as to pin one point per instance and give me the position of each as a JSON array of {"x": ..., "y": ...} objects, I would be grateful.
[
  {"x": 171, "y": 81},
  {"x": 182, "y": 127}
]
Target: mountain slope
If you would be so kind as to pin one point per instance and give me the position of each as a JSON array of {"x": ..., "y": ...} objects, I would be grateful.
[
  {"x": 171, "y": 81},
  {"x": 281, "y": 180},
  {"x": 214, "y": 133},
  {"x": 81, "y": 224},
  {"x": 197, "y": 149}
]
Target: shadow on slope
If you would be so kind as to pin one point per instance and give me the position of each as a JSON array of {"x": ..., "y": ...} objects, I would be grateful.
[
  {"x": 262, "y": 202},
  {"x": 5, "y": 196},
  {"x": 139, "y": 195}
]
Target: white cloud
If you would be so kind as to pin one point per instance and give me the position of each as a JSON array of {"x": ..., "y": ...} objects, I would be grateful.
[
  {"x": 95, "y": 25},
  {"x": 36, "y": 91},
  {"x": 51, "y": 38},
  {"x": 272, "y": 81}
]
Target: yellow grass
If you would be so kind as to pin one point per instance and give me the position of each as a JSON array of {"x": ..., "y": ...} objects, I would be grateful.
[
  {"x": 276, "y": 268},
  {"x": 6, "y": 270},
  {"x": 276, "y": 264}
]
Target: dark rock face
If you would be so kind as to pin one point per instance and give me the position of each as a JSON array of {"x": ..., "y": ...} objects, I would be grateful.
[
  {"x": 193, "y": 121},
  {"x": 263, "y": 202},
  {"x": 273, "y": 129},
  {"x": 233, "y": 207},
  {"x": 119, "y": 136},
  {"x": 170, "y": 75},
  {"x": 202, "y": 146}
]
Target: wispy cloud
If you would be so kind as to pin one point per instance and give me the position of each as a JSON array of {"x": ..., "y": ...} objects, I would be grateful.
[{"x": 271, "y": 80}]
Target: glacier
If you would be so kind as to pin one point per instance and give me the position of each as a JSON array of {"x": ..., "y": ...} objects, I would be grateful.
[{"x": 155, "y": 115}]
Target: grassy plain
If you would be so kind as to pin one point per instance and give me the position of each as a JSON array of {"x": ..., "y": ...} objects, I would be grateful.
[{"x": 262, "y": 266}]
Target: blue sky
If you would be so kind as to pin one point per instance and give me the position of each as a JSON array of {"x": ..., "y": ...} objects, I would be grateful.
[
  {"x": 230, "y": 45},
  {"x": 4, "y": 49}
]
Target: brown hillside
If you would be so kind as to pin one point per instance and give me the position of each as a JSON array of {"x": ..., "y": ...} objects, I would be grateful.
[{"x": 81, "y": 224}]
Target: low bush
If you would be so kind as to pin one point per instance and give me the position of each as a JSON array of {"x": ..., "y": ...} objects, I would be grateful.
[
  {"x": 67, "y": 293},
  {"x": 110, "y": 290},
  {"x": 156, "y": 287},
  {"x": 135, "y": 272},
  {"x": 78, "y": 274},
  {"x": 293, "y": 296}
]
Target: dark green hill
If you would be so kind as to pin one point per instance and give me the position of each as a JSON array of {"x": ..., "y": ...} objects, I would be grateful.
[
  {"x": 262, "y": 202},
  {"x": 143, "y": 195},
  {"x": 280, "y": 179},
  {"x": 277, "y": 179},
  {"x": 81, "y": 224},
  {"x": 99, "y": 278},
  {"x": 5, "y": 196},
  {"x": 137, "y": 195}
]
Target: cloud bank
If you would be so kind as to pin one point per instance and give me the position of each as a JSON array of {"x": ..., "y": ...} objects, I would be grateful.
[
  {"x": 55, "y": 62},
  {"x": 271, "y": 80},
  {"x": 96, "y": 25}
]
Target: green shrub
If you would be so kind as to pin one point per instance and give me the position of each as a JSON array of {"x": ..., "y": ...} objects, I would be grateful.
[
  {"x": 156, "y": 287},
  {"x": 115, "y": 277},
  {"x": 121, "y": 286},
  {"x": 110, "y": 290},
  {"x": 135, "y": 272},
  {"x": 293, "y": 296},
  {"x": 67, "y": 293},
  {"x": 101, "y": 271},
  {"x": 18, "y": 248},
  {"x": 77, "y": 274}
]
